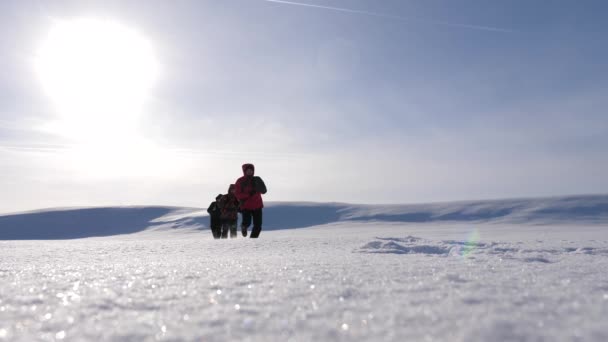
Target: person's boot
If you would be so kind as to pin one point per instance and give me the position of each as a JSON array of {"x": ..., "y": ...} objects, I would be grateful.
[
  {"x": 244, "y": 231},
  {"x": 216, "y": 233},
  {"x": 255, "y": 233},
  {"x": 232, "y": 232}
]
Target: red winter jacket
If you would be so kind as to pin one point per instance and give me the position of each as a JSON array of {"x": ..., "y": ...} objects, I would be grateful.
[{"x": 249, "y": 199}]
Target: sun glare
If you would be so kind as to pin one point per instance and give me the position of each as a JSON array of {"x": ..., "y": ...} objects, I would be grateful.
[{"x": 97, "y": 73}]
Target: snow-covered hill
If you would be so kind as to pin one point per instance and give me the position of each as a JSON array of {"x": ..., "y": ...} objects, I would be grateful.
[
  {"x": 571, "y": 209},
  {"x": 87, "y": 222}
]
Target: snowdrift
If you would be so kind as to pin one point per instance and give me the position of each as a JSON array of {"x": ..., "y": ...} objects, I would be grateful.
[
  {"x": 88, "y": 222},
  {"x": 573, "y": 209},
  {"x": 77, "y": 223}
]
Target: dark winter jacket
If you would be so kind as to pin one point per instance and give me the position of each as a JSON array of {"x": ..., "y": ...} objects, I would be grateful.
[
  {"x": 229, "y": 205},
  {"x": 214, "y": 211},
  {"x": 249, "y": 190}
]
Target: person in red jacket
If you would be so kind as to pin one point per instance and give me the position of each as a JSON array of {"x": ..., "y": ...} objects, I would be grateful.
[{"x": 249, "y": 190}]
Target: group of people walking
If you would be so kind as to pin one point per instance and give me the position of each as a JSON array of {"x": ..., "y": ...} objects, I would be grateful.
[{"x": 245, "y": 197}]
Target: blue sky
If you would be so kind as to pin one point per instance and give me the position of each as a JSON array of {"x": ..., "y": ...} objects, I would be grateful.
[{"x": 415, "y": 101}]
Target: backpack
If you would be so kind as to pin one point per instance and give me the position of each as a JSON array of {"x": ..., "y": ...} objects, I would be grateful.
[
  {"x": 229, "y": 207},
  {"x": 258, "y": 185}
]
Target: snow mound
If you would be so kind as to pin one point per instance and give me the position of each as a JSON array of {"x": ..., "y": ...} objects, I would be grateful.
[
  {"x": 90, "y": 222},
  {"x": 408, "y": 245},
  {"x": 475, "y": 249}
]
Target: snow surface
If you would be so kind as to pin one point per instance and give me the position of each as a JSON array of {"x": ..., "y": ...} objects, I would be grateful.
[{"x": 515, "y": 270}]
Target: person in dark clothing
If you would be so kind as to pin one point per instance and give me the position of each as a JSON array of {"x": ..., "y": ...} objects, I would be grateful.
[
  {"x": 215, "y": 217},
  {"x": 229, "y": 207},
  {"x": 249, "y": 190}
]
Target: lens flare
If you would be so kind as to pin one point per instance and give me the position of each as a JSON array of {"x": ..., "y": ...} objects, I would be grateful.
[{"x": 470, "y": 244}]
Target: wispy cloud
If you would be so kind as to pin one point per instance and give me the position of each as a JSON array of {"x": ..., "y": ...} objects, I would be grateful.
[{"x": 396, "y": 17}]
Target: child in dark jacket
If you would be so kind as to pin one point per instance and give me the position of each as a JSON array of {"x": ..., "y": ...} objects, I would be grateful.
[
  {"x": 229, "y": 206},
  {"x": 215, "y": 216}
]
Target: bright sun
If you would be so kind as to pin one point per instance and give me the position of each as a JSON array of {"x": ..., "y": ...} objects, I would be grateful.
[{"x": 97, "y": 74}]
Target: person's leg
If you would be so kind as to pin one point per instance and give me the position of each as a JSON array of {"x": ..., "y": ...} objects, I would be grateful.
[
  {"x": 216, "y": 226},
  {"x": 257, "y": 223},
  {"x": 225, "y": 228},
  {"x": 246, "y": 222},
  {"x": 233, "y": 229},
  {"x": 212, "y": 225},
  {"x": 216, "y": 230}
]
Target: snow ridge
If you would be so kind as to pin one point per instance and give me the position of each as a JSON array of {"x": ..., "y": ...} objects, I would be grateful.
[{"x": 88, "y": 222}]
